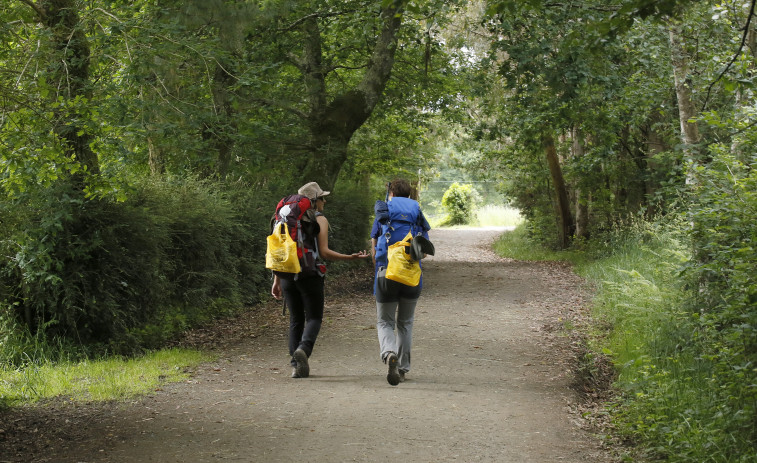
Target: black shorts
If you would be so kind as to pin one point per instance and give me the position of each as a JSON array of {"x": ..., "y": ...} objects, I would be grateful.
[{"x": 392, "y": 291}]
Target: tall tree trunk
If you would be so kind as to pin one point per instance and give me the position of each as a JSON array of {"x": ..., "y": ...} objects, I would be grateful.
[
  {"x": 154, "y": 160},
  {"x": 655, "y": 145},
  {"x": 223, "y": 129},
  {"x": 332, "y": 123},
  {"x": 581, "y": 195},
  {"x": 61, "y": 17},
  {"x": 684, "y": 94},
  {"x": 565, "y": 222}
]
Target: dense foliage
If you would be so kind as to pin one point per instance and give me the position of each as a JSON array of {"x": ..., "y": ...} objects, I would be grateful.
[
  {"x": 143, "y": 144},
  {"x": 460, "y": 202},
  {"x": 627, "y": 111},
  {"x": 103, "y": 272}
]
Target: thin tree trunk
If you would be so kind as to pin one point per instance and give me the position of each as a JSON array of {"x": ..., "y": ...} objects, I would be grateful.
[
  {"x": 686, "y": 110},
  {"x": 61, "y": 17},
  {"x": 655, "y": 145},
  {"x": 566, "y": 225},
  {"x": 223, "y": 129},
  {"x": 154, "y": 159},
  {"x": 581, "y": 196}
]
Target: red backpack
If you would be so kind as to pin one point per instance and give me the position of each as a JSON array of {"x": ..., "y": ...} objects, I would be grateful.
[{"x": 296, "y": 212}]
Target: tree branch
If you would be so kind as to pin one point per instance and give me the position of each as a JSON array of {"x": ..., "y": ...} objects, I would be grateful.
[
  {"x": 313, "y": 16},
  {"x": 40, "y": 11},
  {"x": 595, "y": 8},
  {"x": 735, "y": 56},
  {"x": 382, "y": 59},
  {"x": 277, "y": 104},
  {"x": 742, "y": 130}
]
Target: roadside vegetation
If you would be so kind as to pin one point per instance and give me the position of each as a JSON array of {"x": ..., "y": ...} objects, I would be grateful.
[
  {"x": 143, "y": 146},
  {"x": 685, "y": 387},
  {"x": 111, "y": 378}
]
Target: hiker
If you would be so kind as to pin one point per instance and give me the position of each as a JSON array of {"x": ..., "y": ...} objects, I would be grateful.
[
  {"x": 395, "y": 302},
  {"x": 303, "y": 292}
]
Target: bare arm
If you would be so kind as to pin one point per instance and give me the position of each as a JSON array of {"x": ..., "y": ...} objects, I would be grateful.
[{"x": 323, "y": 244}]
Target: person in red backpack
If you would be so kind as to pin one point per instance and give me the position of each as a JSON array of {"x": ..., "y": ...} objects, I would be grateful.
[{"x": 303, "y": 292}]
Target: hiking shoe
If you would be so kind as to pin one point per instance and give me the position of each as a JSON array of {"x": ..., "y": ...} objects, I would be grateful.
[
  {"x": 302, "y": 369},
  {"x": 402, "y": 376},
  {"x": 294, "y": 373},
  {"x": 393, "y": 377}
]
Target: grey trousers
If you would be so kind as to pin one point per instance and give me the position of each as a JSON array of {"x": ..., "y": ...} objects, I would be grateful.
[{"x": 399, "y": 316}]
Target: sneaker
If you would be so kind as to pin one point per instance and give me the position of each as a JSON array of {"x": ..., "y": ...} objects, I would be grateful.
[
  {"x": 302, "y": 369},
  {"x": 402, "y": 376},
  {"x": 393, "y": 377}
]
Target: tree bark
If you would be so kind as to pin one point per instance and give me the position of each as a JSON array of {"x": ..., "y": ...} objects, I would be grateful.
[
  {"x": 581, "y": 196},
  {"x": 565, "y": 224},
  {"x": 333, "y": 123},
  {"x": 62, "y": 18},
  {"x": 154, "y": 159},
  {"x": 686, "y": 110},
  {"x": 222, "y": 130},
  {"x": 656, "y": 144}
]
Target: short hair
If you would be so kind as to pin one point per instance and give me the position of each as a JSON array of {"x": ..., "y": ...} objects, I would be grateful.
[{"x": 400, "y": 187}]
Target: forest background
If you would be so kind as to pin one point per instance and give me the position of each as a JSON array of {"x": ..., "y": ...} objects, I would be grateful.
[{"x": 143, "y": 143}]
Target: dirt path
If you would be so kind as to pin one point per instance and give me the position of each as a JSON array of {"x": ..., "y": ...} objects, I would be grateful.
[{"x": 490, "y": 382}]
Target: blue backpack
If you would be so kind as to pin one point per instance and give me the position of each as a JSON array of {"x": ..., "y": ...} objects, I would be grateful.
[{"x": 397, "y": 217}]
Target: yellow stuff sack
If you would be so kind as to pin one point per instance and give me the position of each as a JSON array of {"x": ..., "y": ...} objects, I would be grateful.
[
  {"x": 401, "y": 267},
  {"x": 281, "y": 251}
]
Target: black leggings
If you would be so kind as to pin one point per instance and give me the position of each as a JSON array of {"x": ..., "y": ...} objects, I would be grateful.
[{"x": 304, "y": 297}]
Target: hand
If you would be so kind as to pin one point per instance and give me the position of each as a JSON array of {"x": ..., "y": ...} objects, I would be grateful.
[
  {"x": 360, "y": 255},
  {"x": 276, "y": 289}
]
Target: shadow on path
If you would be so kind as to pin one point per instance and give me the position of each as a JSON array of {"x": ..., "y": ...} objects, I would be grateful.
[{"x": 490, "y": 383}]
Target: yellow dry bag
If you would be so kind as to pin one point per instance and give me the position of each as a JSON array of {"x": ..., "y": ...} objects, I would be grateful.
[
  {"x": 401, "y": 267},
  {"x": 281, "y": 252}
]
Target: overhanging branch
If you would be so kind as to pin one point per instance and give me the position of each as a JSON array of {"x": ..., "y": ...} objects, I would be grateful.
[
  {"x": 40, "y": 11},
  {"x": 735, "y": 56}
]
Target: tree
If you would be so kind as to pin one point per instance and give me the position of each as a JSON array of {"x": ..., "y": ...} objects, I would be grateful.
[
  {"x": 684, "y": 93},
  {"x": 67, "y": 83},
  {"x": 332, "y": 123}
]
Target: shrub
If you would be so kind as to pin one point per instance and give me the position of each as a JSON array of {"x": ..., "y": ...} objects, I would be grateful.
[
  {"x": 460, "y": 202},
  {"x": 125, "y": 275}
]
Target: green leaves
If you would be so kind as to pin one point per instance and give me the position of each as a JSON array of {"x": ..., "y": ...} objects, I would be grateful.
[{"x": 460, "y": 202}]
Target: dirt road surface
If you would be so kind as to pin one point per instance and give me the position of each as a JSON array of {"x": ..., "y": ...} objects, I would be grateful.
[{"x": 490, "y": 382}]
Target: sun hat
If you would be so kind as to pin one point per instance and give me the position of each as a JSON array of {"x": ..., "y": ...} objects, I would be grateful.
[
  {"x": 420, "y": 246},
  {"x": 312, "y": 190}
]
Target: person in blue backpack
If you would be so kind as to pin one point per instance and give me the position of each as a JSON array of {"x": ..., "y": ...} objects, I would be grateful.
[
  {"x": 304, "y": 292},
  {"x": 395, "y": 302}
]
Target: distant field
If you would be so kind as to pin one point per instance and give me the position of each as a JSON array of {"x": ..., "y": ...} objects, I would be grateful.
[{"x": 487, "y": 216}]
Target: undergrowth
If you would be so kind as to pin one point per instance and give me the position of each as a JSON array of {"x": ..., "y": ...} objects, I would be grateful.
[{"x": 676, "y": 399}]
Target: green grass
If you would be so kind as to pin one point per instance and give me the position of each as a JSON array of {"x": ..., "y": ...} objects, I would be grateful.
[
  {"x": 675, "y": 400},
  {"x": 498, "y": 216},
  {"x": 638, "y": 294},
  {"x": 486, "y": 216},
  {"x": 516, "y": 245},
  {"x": 97, "y": 380}
]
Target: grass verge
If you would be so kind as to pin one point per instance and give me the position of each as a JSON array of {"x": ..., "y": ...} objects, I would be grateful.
[
  {"x": 97, "y": 380},
  {"x": 640, "y": 324}
]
